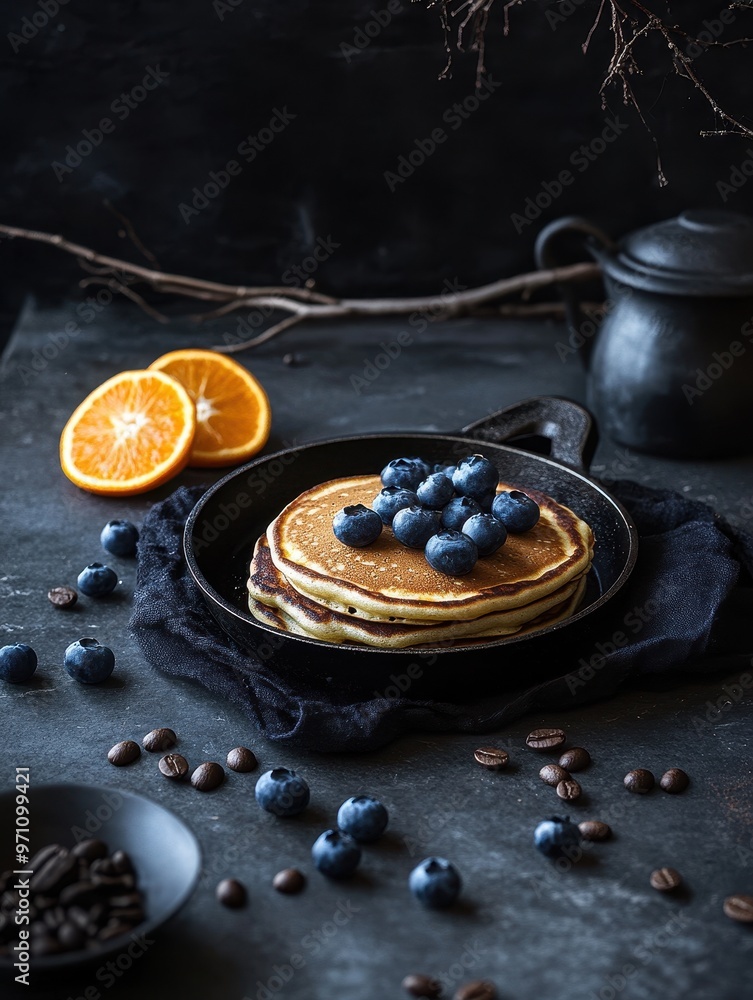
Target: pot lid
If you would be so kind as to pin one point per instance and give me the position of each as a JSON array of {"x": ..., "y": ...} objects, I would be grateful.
[{"x": 701, "y": 252}]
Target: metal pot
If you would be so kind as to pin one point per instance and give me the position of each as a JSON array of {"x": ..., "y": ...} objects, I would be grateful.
[{"x": 671, "y": 367}]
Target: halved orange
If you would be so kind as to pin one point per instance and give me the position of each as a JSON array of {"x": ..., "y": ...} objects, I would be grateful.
[
  {"x": 233, "y": 416},
  {"x": 132, "y": 433}
]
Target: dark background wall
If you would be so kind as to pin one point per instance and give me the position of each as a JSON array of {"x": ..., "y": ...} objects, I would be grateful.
[{"x": 232, "y": 65}]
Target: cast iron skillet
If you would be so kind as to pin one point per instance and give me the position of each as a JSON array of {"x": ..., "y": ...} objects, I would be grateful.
[{"x": 225, "y": 523}]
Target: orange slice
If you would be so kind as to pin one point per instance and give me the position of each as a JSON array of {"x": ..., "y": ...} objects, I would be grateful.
[
  {"x": 233, "y": 416},
  {"x": 132, "y": 433}
]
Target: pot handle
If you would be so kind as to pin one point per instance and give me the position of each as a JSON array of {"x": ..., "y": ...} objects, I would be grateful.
[
  {"x": 567, "y": 425},
  {"x": 546, "y": 256}
]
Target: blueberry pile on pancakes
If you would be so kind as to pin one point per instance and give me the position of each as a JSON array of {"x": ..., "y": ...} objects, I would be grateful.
[{"x": 420, "y": 556}]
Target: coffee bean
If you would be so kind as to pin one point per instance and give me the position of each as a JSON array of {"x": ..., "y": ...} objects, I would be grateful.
[
  {"x": 739, "y": 907},
  {"x": 59, "y": 871},
  {"x": 125, "y": 899},
  {"x": 639, "y": 780},
  {"x": 127, "y": 914},
  {"x": 70, "y": 936},
  {"x": 479, "y": 989},
  {"x": 90, "y": 850},
  {"x": 492, "y": 758},
  {"x": 158, "y": 740},
  {"x": 569, "y": 790},
  {"x": 173, "y": 765},
  {"x": 122, "y": 863},
  {"x": 594, "y": 829},
  {"x": 289, "y": 881},
  {"x": 125, "y": 752},
  {"x": 575, "y": 759},
  {"x": 553, "y": 774},
  {"x": 43, "y": 855},
  {"x": 422, "y": 986},
  {"x": 113, "y": 883},
  {"x": 242, "y": 759},
  {"x": 230, "y": 892},
  {"x": 102, "y": 866},
  {"x": 208, "y": 776},
  {"x": 43, "y": 944},
  {"x": 545, "y": 739},
  {"x": 62, "y": 597},
  {"x": 81, "y": 894},
  {"x": 54, "y": 917},
  {"x": 674, "y": 781},
  {"x": 665, "y": 879}
]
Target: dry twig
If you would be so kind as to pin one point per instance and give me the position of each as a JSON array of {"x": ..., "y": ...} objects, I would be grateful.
[{"x": 301, "y": 303}]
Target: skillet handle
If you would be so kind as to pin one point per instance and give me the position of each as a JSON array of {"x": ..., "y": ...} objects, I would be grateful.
[{"x": 567, "y": 425}]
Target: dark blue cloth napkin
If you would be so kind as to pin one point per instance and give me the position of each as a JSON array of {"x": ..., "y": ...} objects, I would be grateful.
[{"x": 687, "y": 608}]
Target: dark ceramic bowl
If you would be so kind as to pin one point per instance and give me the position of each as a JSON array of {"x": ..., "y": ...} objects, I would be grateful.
[{"x": 165, "y": 854}]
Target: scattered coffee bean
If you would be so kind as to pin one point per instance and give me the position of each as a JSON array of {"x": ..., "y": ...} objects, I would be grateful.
[
  {"x": 123, "y": 753},
  {"x": 492, "y": 758},
  {"x": 674, "y": 781},
  {"x": 242, "y": 759},
  {"x": 62, "y": 597},
  {"x": 208, "y": 776},
  {"x": 422, "y": 986},
  {"x": 174, "y": 765},
  {"x": 158, "y": 740},
  {"x": 575, "y": 759},
  {"x": 553, "y": 774},
  {"x": 479, "y": 989},
  {"x": 639, "y": 780},
  {"x": 739, "y": 907},
  {"x": 665, "y": 879},
  {"x": 545, "y": 739},
  {"x": 569, "y": 790},
  {"x": 594, "y": 829},
  {"x": 232, "y": 893},
  {"x": 289, "y": 881}
]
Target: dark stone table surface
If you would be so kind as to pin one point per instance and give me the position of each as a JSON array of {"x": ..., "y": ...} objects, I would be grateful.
[{"x": 594, "y": 930}]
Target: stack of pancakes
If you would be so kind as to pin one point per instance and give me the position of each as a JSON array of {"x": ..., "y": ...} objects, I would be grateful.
[{"x": 303, "y": 580}]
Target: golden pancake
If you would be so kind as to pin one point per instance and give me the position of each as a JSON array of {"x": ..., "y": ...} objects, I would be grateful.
[
  {"x": 386, "y": 580},
  {"x": 268, "y": 589}
]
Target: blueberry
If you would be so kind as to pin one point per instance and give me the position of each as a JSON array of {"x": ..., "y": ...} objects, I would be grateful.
[
  {"x": 555, "y": 836},
  {"x": 119, "y": 538},
  {"x": 363, "y": 817},
  {"x": 487, "y": 532},
  {"x": 96, "y": 580},
  {"x": 88, "y": 662},
  {"x": 336, "y": 854},
  {"x": 435, "y": 491},
  {"x": 451, "y": 553},
  {"x": 446, "y": 470},
  {"x": 516, "y": 510},
  {"x": 475, "y": 477},
  {"x": 282, "y": 792},
  {"x": 392, "y": 499},
  {"x": 414, "y": 526},
  {"x": 405, "y": 472},
  {"x": 435, "y": 882},
  {"x": 357, "y": 526},
  {"x": 457, "y": 512},
  {"x": 17, "y": 663}
]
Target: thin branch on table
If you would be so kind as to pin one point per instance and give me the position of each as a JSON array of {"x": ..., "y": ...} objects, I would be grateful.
[{"x": 301, "y": 304}]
